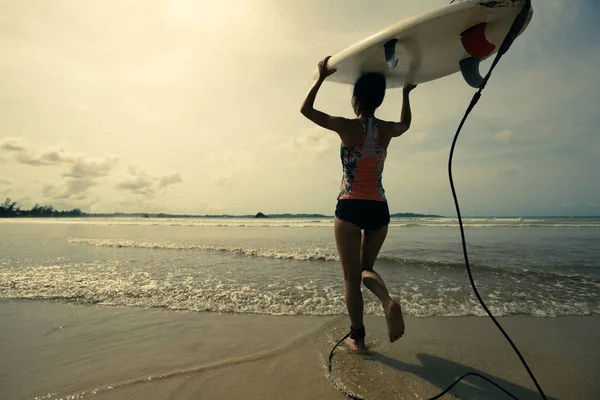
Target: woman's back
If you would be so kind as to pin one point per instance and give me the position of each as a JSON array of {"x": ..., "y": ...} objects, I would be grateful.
[{"x": 363, "y": 164}]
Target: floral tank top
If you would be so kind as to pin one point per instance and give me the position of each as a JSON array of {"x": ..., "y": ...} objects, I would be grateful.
[{"x": 363, "y": 165}]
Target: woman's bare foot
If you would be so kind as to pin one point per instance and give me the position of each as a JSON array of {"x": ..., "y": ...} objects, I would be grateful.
[
  {"x": 357, "y": 345},
  {"x": 395, "y": 322}
]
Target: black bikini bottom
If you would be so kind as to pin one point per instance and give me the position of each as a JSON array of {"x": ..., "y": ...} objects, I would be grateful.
[{"x": 365, "y": 214}]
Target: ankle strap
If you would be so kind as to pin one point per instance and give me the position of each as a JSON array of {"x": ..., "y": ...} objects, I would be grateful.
[{"x": 357, "y": 333}]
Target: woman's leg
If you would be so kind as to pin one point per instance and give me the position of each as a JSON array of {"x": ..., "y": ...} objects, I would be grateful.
[
  {"x": 348, "y": 241},
  {"x": 370, "y": 246},
  {"x": 371, "y": 243}
]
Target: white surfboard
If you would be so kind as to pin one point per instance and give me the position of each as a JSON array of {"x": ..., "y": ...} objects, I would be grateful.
[{"x": 431, "y": 45}]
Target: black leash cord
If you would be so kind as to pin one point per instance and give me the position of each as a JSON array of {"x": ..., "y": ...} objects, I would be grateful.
[
  {"x": 516, "y": 27},
  {"x": 330, "y": 375}
]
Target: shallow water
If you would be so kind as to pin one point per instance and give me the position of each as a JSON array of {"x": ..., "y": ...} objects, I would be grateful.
[{"x": 541, "y": 267}]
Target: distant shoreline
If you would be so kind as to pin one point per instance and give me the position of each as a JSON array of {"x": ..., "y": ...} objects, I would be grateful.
[
  {"x": 279, "y": 216},
  {"x": 220, "y": 216}
]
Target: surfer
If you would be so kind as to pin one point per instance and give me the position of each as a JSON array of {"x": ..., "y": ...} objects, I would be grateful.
[{"x": 362, "y": 214}]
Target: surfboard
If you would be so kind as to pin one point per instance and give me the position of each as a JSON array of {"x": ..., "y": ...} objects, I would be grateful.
[{"x": 431, "y": 45}]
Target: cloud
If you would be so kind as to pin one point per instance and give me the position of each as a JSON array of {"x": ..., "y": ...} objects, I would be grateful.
[
  {"x": 49, "y": 157},
  {"x": 5, "y": 181},
  {"x": 75, "y": 189},
  {"x": 28, "y": 153},
  {"x": 141, "y": 182},
  {"x": 83, "y": 171},
  {"x": 169, "y": 180},
  {"x": 81, "y": 166},
  {"x": 56, "y": 156},
  {"x": 12, "y": 144},
  {"x": 90, "y": 167}
]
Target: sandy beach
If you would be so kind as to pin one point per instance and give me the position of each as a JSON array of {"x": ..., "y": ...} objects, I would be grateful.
[{"x": 68, "y": 351}]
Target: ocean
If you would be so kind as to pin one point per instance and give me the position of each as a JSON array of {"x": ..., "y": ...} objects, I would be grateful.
[{"x": 543, "y": 267}]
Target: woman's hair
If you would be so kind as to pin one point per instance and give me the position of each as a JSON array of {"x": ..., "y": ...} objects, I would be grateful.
[{"x": 369, "y": 91}]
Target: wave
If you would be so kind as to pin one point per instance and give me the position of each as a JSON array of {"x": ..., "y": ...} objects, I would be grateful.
[
  {"x": 411, "y": 306},
  {"x": 444, "y": 222},
  {"x": 316, "y": 255},
  {"x": 247, "y": 251},
  {"x": 117, "y": 285}
]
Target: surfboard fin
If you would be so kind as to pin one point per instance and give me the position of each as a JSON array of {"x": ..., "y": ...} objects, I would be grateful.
[
  {"x": 470, "y": 71},
  {"x": 475, "y": 42},
  {"x": 391, "y": 59}
]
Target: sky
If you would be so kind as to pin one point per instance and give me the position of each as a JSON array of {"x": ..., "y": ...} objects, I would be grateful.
[{"x": 192, "y": 107}]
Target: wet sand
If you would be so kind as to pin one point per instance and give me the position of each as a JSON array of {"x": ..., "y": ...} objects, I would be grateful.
[{"x": 68, "y": 351}]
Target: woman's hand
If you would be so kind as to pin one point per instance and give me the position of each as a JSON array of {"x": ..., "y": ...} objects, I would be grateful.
[{"x": 324, "y": 72}]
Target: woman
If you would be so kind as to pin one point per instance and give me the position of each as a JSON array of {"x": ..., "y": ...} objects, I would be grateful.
[{"x": 362, "y": 215}]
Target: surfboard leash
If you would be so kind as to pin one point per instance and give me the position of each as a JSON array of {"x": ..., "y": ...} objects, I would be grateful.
[
  {"x": 330, "y": 375},
  {"x": 512, "y": 34}
]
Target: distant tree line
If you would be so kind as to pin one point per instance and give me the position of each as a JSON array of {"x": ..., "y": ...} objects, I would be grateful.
[{"x": 10, "y": 209}]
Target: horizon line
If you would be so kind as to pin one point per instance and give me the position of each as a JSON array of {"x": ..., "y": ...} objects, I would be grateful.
[{"x": 276, "y": 215}]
